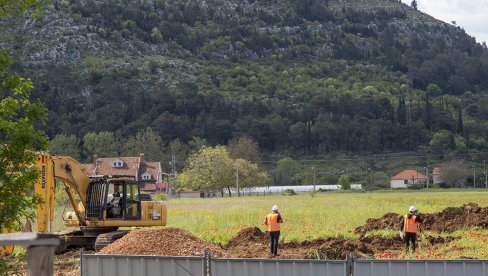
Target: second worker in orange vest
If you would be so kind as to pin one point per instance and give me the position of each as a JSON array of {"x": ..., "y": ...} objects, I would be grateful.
[
  {"x": 410, "y": 225},
  {"x": 273, "y": 221}
]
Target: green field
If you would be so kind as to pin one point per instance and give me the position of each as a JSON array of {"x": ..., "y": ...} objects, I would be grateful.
[{"x": 332, "y": 214}]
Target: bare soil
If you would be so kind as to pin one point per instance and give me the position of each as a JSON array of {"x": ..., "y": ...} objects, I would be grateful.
[
  {"x": 448, "y": 220},
  {"x": 162, "y": 242}
]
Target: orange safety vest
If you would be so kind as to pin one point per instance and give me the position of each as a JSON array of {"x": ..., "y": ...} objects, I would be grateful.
[
  {"x": 410, "y": 225},
  {"x": 272, "y": 220}
]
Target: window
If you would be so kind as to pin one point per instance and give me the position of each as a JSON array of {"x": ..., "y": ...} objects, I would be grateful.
[
  {"x": 146, "y": 176},
  {"x": 405, "y": 182},
  {"x": 117, "y": 163}
]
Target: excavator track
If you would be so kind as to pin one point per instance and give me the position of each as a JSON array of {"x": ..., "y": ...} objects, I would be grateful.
[{"x": 108, "y": 238}]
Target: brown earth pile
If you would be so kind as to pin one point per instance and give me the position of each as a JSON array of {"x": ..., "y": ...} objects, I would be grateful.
[
  {"x": 448, "y": 220},
  {"x": 253, "y": 243},
  {"x": 162, "y": 242}
]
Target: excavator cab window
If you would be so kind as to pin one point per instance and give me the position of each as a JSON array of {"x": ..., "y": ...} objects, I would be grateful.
[
  {"x": 132, "y": 202},
  {"x": 123, "y": 200},
  {"x": 115, "y": 200}
]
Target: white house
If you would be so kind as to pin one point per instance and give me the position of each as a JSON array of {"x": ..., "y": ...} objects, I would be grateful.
[{"x": 407, "y": 178}]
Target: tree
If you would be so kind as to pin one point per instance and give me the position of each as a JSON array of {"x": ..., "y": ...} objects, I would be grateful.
[
  {"x": 442, "y": 141},
  {"x": 248, "y": 174},
  {"x": 179, "y": 150},
  {"x": 147, "y": 142},
  {"x": 345, "y": 182},
  {"x": 414, "y": 4},
  {"x": 196, "y": 143},
  {"x": 63, "y": 144},
  {"x": 102, "y": 144},
  {"x": 460, "y": 125},
  {"x": 208, "y": 169},
  {"x": 287, "y": 172},
  {"x": 19, "y": 139},
  {"x": 18, "y": 7},
  {"x": 244, "y": 147},
  {"x": 454, "y": 173},
  {"x": 211, "y": 168}
]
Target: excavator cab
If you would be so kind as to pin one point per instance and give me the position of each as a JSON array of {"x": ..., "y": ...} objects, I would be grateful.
[{"x": 115, "y": 199}]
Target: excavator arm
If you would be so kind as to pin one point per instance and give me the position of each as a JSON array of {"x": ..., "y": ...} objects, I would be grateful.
[{"x": 75, "y": 180}]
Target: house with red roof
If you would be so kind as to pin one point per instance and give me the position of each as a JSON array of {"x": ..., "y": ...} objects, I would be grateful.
[
  {"x": 148, "y": 174},
  {"x": 407, "y": 178}
]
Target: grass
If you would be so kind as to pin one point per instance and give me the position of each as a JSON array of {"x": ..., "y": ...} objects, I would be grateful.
[
  {"x": 305, "y": 217},
  {"x": 330, "y": 214}
]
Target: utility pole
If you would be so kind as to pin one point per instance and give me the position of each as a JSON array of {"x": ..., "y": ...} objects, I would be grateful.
[
  {"x": 427, "y": 172},
  {"x": 172, "y": 176},
  {"x": 313, "y": 169},
  {"x": 484, "y": 169},
  {"x": 474, "y": 177}
]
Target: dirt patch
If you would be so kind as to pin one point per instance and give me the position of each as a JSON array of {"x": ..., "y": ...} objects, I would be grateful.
[
  {"x": 253, "y": 243},
  {"x": 162, "y": 242},
  {"x": 448, "y": 220}
]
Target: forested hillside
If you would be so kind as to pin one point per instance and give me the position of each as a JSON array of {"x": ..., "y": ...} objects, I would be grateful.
[{"x": 310, "y": 77}]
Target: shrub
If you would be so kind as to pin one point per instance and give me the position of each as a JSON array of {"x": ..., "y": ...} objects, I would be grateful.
[
  {"x": 289, "y": 192},
  {"x": 160, "y": 197}
]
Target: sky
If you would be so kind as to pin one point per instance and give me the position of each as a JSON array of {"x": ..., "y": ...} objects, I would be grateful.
[{"x": 471, "y": 15}]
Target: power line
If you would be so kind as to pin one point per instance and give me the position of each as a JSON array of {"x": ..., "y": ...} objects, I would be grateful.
[{"x": 362, "y": 158}]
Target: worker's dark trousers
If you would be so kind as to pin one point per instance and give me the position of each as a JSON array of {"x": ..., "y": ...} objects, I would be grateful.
[
  {"x": 410, "y": 238},
  {"x": 274, "y": 237}
]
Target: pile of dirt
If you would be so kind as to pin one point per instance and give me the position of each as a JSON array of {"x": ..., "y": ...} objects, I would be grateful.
[
  {"x": 253, "y": 243},
  {"x": 448, "y": 220},
  {"x": 162, "y": 242},
  {"x": 456, "y": 218},
  {"x": 387, "y": 221},
  {"x": 337, "y": 249},
  {"x": 249, "y": 235}
]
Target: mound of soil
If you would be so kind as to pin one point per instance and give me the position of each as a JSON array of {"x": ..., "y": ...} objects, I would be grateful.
[
  {"x": 249, "y": 235},
  {"x": 253, "y": 243},
  {"x": 387, "y": 221},
  {"x": 448, "y": 220},
  {"x": 162, "y": 242},
  {"x": 456, "y": 218}
]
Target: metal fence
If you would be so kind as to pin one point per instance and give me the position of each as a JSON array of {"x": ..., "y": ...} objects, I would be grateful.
[
  {"x": 108, "y": 265},
  {"x": 420, "y": 268},
  {"x": 275, "y": 267},
  {"x": 117, "y": 265}
]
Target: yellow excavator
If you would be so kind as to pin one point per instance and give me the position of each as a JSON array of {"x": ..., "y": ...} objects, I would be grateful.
[{"x": 101, "y": 205}]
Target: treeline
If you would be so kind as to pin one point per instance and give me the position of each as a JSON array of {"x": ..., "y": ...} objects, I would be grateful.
[{"x": 319, "y": 109}]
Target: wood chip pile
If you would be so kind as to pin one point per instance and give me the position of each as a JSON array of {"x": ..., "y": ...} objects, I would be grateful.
[{"x": 162, "y": 242}]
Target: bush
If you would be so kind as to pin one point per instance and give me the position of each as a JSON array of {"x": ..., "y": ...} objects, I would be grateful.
[
  {"x": 289, "y": 192},
  {"x": 160, "y": 197}
]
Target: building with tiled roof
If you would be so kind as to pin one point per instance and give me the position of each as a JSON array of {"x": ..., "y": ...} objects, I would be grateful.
[
  {"x": 407, "y": 178},
  {"x": 436, "y": 176},
  {"x": 136, "y": 168}
]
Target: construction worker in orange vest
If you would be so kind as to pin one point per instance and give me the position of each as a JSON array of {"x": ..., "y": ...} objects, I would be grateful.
[
  {"x": 410, "y": 225},
  {"x": 273, "y": 221}
]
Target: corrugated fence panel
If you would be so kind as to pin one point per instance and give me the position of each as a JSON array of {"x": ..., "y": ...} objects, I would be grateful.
[
  {"x": 420, "y": 268},
  {"x": 118, "y": 265},
  {"x": 269, "y": 267}
]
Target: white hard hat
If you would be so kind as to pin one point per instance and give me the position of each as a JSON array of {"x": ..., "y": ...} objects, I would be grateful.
[
  {"x": 274, "y": 208},
  {"x": 412, "y": 208}
]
